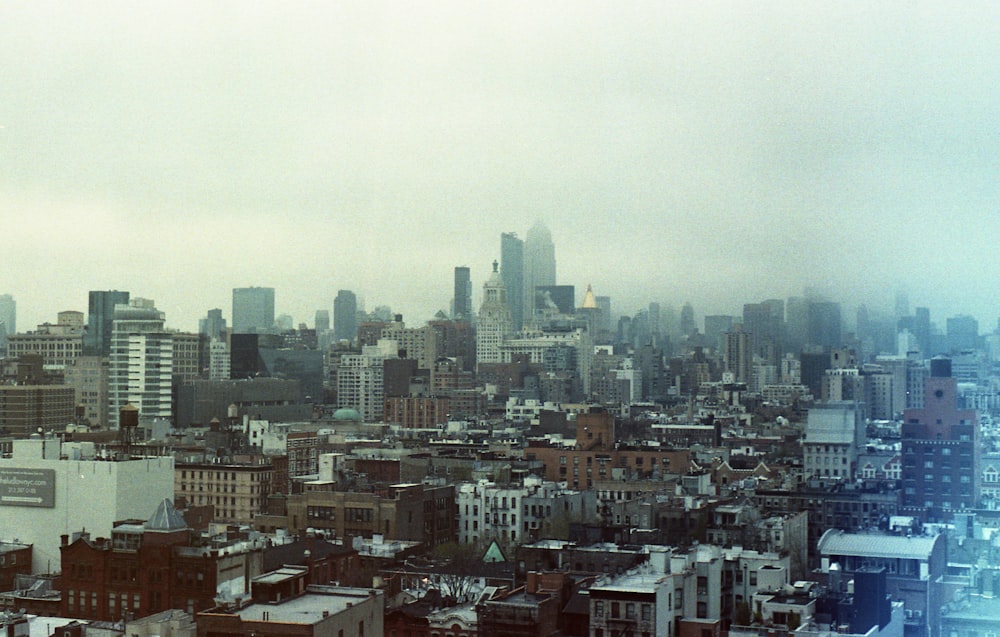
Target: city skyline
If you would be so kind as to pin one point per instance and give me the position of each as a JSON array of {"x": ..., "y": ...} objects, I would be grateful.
[{"x": 718, "y": 154}]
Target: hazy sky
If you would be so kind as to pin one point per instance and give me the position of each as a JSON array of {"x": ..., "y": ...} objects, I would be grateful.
[{"x": 717, "y": 153}]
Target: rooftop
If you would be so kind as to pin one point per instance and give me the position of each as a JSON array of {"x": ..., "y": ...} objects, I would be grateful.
[
  {"x": 308, "y": 608},
  {"x": 837, "y": 542}
]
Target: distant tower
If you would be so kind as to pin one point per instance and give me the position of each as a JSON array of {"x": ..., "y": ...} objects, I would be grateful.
[
  {"x": 253, "y": 310},
  {"x": 494, "y": 321},
  {"x": 100, "y": 316},
  {"x": 8, "y": 314},
  {"x": 345, "y": 316},
  {"x": 737, "y": 357},
  {"x": 512, "y": 273},
  {"x": 213, "y": 325},
  {"x": 322, "y": 321},
  {"x": 462, "y": 309},
  {"x": 539, "y": 264},
  {"x": 823, "y": 326},
  {"x": 688, "y": 325}
]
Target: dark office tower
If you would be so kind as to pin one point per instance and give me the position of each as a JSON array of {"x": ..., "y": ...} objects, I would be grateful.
[
  {"x": 253, "y": 310},
  {"x": 823, "y": 324},
  {"x": 688, "y": 325},
  {"x": 213, "y": 325},
  {"x": 796, "y": 323},
  {"x": 512, "y": 274},
  {"x": 539, "y": 264},
  {"x": 963, "y": 333},
  {"x": 322, "y": 321},
  {"x": 100, "y": 319},
  {"x": 716, "y": 326},
  {"x": 736, "y": 356},
  {"x": 922, "y": 329},
  {"x": 345, "y": 316},
  {"x": 655, "y": 324},
  {"x": 8, "y": 314},
  {"x": 902, "y": 305},
  {"x": 244, "y": 356},
  {"x": 941, "y": 450},
  {"x": 462, "y": 310},
  {"x": 762, "y": 323}
]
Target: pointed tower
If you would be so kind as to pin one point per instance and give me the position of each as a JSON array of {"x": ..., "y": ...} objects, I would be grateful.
[{"x": 494, "y": 322}]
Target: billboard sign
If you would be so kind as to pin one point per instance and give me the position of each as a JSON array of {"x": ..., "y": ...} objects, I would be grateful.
[{"x": 27, "y": 487}]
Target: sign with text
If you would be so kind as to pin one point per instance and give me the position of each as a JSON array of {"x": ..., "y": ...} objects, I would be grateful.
[{"x": 27, "y": 487}]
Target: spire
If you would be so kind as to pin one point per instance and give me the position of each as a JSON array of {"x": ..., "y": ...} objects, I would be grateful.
[{"x": 589, "y": 300}]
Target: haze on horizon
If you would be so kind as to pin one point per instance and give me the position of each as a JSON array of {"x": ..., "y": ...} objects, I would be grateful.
[{"x": 717, "y": 153}]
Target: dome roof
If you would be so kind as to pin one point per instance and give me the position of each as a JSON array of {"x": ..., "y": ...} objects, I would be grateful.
[{"x": 345, "y": 413}]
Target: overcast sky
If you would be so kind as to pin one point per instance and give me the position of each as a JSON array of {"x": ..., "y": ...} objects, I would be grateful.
[{"x": 717, "y": 153}]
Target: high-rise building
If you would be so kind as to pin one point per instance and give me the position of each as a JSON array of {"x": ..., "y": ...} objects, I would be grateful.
[
  {"x": 462, "y": 301},
  {"x": 963, "y": 333},
  {"x": 213, "y": 325},
  {"x": 763, "y": 323},
  {"x": 512, "y": 275},
  {"x": 100, "y": 316},
  {"x": 494, "y": 322},
  {"x": 322, "y": 321},
  {"x": 688, "y": 325},
  {"x": 141, "y": 362},
  {"x": 823, "y": 326},
  {"x": 345, "y": 316},
  {"x": 941, "y": 450},
  {"x": 253, "y": 310},
  {"x": 8, "y": 314},
  {"x": 539, "y": 265},
  {"x": 737, "y": 358}
]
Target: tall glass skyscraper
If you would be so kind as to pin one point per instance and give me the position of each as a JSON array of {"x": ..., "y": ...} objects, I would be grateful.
[
  {"x": 100, "y": 317},
  {"x": 253, "y": 310},
  {"x": 539, "y": 264},
  {"x": 512, "y": 274},
  {"x": 462, "y": 310},
  {"x": 345, "y": 316}
]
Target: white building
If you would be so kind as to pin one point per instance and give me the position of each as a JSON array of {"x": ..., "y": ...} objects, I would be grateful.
[
  {"x": 513, "y": 513},
  {"x": 360, "y": 380},
  {"x": 494, "y": 322},
  {"x": 218, "y": 361},
  {"x": 43, "y": 496},
  {"x": 141, "y": 362},
  {"x": 835, "y": 433}
]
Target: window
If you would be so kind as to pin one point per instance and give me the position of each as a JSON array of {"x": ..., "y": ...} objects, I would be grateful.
[
  {"x": 647, "y": 611},
  {"x": 615, "y": 610},
  {"x": 599, "y": 608},
  {"x": 630, "y": 610}
]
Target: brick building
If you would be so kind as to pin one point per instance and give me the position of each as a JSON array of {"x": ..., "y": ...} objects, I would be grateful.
[{"x": 147, "y": 567}]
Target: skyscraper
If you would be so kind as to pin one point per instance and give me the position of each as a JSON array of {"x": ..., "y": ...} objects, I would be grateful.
[
  {"x": 213, "y": 325},
  {"x": 253, "y": 310},
  {"x": 512, "y": 275},
  {"x": 941, "y": 451},
  {"x": 823, "y": 324},
  {"x": 462, "y": 310},
  {"x": 345, "y": 316},
  {"x": 100, "y": 316},
  {"x": 141, "y": 362},
  {"x": 8, "y": 314},
  {"x": 322, "y": 321},
  {"x": 539, "y": 264},
  {"x": 494, "y": 322}
]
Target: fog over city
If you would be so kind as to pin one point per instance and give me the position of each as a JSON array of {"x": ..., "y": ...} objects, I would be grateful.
[{"x": 717, "y": 153}]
